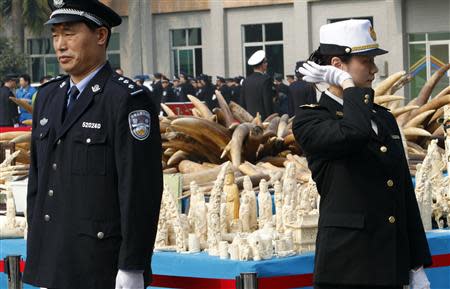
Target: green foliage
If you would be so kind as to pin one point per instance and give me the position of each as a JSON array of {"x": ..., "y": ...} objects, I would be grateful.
[
  {"x": 11, "y": 61},
  {"x": 35, "y": 14}
]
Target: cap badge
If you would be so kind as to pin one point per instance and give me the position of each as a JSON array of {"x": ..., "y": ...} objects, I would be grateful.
[
  {"x": 373, "y": 34},
  {"x": 58, "y": 3}
]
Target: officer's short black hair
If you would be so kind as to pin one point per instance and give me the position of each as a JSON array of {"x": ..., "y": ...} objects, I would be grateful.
[
  {"x": 26, "y": 77},
  {"x": 322, "y": 59}
]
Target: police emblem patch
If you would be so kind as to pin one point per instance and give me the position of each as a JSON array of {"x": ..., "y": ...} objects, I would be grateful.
[
  {"x": 139, "y": 121},
  {"x": 58, "y": 3}
]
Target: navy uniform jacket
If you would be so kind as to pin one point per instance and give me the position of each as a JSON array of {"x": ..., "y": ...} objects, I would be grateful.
[
  {"x": 257, "y": 94},
  {"x": 300, "y": 93},
  {"x": 95, "y": 184},
  {"x": 370, "y": 230}
]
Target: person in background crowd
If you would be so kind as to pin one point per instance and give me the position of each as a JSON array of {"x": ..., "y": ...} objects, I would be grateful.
[
  {"x": 370, "y": 233},
  {"x": 290, "y": 79},
  {"x": 177, "y": 88},
  {"x": 25, "y": 92},
  {"x": 186, "y": 88},
  {"x": 198, "y": 86},
  {"x": 208, "y": 92},
  {"x": 95, "y": 181},
  {"x": 300, "y": 92},
  {"x": 281, "y": 95},
  {"x": 236, "y": 89},
  {"x": 223, "y": 88},
  {"x": 157, "y": 88},
  {"x": 9, "y": 112},
  {"x": 257, "y": 89},
  {"x": 167, "y": 91},
  {"x": 119, "y": 71},
  {"x": 42, "y": 81}
]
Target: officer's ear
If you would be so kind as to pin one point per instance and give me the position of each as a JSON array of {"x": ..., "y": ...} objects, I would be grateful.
[
  {"x": 102, "y": 36},
  {"x": 337, "y": 62}
]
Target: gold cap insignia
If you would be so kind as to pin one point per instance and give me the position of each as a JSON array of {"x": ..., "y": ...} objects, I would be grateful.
[{"x": 372, "y": 33}]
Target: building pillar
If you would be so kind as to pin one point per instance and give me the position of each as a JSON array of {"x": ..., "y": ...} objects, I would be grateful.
[
  {"x": 302, "y": 24},
  {"x": 147, "y": 34},
  {"x": 217, "y": 44}
]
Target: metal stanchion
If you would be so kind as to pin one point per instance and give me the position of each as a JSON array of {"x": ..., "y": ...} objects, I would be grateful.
[
  {"x": 12, "y": 269},
  {"x": 247, "y": 281}
]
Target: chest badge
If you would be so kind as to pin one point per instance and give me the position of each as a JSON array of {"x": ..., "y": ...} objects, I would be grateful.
[
  {"x": 43, "y": 121},
  {"x": 139, "y": 121},
  {"x": 95, "y": 88}
]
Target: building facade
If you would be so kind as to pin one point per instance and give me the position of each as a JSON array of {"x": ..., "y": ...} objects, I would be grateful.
[{"x": 216, "y": 37}]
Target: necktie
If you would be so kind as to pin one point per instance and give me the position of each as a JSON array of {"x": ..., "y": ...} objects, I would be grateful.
[{"x": 71, "y": 98}]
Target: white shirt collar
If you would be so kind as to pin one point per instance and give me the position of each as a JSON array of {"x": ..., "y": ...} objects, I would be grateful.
[
  {"x": 83, "y": 83},
  {"x": 334, "y": 97}
]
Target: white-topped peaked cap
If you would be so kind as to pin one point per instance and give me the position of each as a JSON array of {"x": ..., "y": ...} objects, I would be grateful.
[
  {"x": 353, "y": 36},
  {"x": 256, "y": 58}
]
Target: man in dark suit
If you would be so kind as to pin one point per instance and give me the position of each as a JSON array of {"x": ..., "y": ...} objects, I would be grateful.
[
  {"x": 95, "y": 181},
  {"x": 222, "y": 86},
  {"x": 257, "y": 89},
  {"x": 370, "y": 230},
  {"x": 300, "y": 92},
  {"x": 157, "y": 89},
  {"x": 9, "y": 113},
  {"x": 186, "y": 88},
  {"x": 208, "y": 91}
]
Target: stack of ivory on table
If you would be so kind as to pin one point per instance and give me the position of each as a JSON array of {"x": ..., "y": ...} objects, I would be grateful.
[{"x": 231, "y": 225}]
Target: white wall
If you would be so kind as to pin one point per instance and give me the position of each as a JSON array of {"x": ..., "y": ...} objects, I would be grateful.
[{"x": 427, "y": 16}]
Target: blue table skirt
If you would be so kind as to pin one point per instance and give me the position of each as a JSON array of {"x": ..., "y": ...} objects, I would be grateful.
[{"x": 203, "y": 266}]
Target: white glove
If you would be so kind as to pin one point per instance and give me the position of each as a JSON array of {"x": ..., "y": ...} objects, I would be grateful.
[
  {"x": 133, "y": 279},
  {"x": 317, "y": 73},
  {"x": 418, "y": 279}
]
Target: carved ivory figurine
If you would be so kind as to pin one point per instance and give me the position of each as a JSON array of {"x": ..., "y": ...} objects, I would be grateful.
[
  {"x": 198, "y": 213},
  {"x": 248, "y": 190},
  {"x": 265, "y": 204},
  {"x": 231, "y": 191}
]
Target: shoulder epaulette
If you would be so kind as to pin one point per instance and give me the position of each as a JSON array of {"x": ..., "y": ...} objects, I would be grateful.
[
  {"x": 54, "y": 79},
  {"x": 127, "y": 83},
  {"x": 382, "y": 107},
  {"x": 311, "y": 105}
]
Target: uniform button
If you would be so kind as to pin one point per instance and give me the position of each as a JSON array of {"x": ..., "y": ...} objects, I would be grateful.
[
  {"x": 366, "y": 96},
  {"x": 100, "y": 235},
  {"x": 390, "y": 183},
  {"x": 392, "y": 219},
  {"x": 88, "y": 140},
  {"x": 47, "y": 218},
  {"x": 366, "y": 101},
  {"x": 41, "y": 135},
  {"x": 59, "y": 142},
  {"x": 383, "y": 149},
  {"x": 54, "y": 166},
  {"x": 50, "y": 193}
]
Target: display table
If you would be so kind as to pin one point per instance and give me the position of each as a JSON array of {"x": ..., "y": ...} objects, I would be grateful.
[{"x": 172, "y": 270}]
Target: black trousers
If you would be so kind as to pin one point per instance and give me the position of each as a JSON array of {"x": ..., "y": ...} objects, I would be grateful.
[{"x": 333, "y": 286}]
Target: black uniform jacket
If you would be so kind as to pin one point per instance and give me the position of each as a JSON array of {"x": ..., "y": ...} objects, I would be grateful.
[
  {"x": 257, "y": 94},
  {"x": 370, "y": 230},
  {"x": 9, "y": 114},
  {"x": 95, "y": 184},
  {"x": 300, "y": 93}
]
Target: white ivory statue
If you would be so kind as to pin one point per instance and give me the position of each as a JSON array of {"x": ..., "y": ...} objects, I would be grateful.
[
  {"x": 223, "y": 250},
  {"x": 244, "y": 213},
  {"x": 265, "y": 204},
  {"x": 290, "y": 183},
  {"x": 198, "y": 214},
  {"x": 231, "y": 192},
  {"x": 10, "y": 225},
  {"x": 193, "y": 243},
  {"x": 278, "y": 194},
  {"x": 248, "y": 190}
]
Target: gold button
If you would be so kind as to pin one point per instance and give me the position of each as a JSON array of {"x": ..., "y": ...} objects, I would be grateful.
[
  {"x": 383, "y": 149},
  {"x": 366, "y": 101},
  {"x": 366, "y": 96},
  {"x": 348, "y": 50},
  {"x": 390, "y": 183},
  {"x": 392, "y": 219}
]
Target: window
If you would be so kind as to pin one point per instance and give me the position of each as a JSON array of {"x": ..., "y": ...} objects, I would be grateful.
[
  {"x": 428, "y": 52},
  {"x": 113, "y": 52},
  {"x": 43, "y": 59},
  {"x": 370, "y": 18},
  {"x": 268, "y": 37},
  {"x": 186, "y": 51}
]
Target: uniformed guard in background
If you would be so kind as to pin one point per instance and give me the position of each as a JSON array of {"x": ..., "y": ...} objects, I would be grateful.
[
  {"x": 370, "y": 230},
  {"x": 257, "y": 89},
  {"x": 95, "y": 181}
]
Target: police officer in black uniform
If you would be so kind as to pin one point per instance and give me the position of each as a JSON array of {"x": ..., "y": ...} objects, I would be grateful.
[
  {"x": 370, "y": 230},
  {"x": 9, "y": 113},
  {"x": 300, "y": 92},
  {"x": 95, "y": 180},
  {"x": 257, "y": 89}
]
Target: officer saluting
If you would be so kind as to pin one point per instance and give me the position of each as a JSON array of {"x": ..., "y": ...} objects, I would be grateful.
[
  {"x": 370, "y": 231},
  {"x": 95, "y": 180},
  {"x": 257, "y": 90}
]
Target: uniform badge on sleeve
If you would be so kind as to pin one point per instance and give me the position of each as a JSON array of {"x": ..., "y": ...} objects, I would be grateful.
[{"x": 139, "y": 121}]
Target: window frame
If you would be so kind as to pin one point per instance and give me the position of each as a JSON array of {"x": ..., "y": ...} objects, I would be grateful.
[
  {"x": 176, "y": 50},
  {"x": 263, "y": 44}
]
